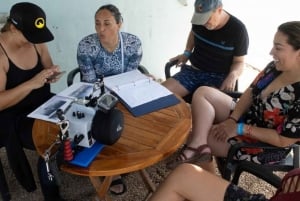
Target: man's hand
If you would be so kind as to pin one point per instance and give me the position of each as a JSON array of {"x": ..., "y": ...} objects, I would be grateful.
[
  {"x": 229, "y": 83},
  {"x": 182, "y": 59}
]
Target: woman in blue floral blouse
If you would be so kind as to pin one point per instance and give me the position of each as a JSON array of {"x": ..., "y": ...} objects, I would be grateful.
[{"x": 108, "y": 51}]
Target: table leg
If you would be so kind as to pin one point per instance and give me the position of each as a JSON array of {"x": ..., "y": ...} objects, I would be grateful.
[
  {"x": 148, "y": 180},
  {"x": 102, "y": 187}
]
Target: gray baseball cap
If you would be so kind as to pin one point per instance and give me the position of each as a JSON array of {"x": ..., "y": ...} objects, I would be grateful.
[{"x": 203, "y": 10}]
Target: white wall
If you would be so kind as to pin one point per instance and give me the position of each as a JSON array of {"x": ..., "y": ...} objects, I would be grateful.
[
  {"x": 262, "y": 17},
  {"x": 162, "y": 25}
]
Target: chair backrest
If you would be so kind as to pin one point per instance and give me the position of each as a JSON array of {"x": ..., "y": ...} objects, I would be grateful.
[
  {"x": 72, "y": 74},
  {"x": 231, "y": 169},
  {"x": 289, "y": 189}
]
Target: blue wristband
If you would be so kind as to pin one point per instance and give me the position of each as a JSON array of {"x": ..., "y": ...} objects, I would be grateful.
[
  {"x": 240, "y": 129},
  {"x": 187, "y": 53}
]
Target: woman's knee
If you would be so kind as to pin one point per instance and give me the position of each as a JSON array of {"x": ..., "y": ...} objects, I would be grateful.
[
  {"x": 187, "y": 168},
  {"x": 204, "y": 92}
]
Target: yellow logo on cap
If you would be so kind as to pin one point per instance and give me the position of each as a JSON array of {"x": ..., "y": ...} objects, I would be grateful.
[{"x": 39, "y": 23}]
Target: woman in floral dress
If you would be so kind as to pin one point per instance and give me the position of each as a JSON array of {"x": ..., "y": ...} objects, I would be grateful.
[{"x": 268, "y": 111}]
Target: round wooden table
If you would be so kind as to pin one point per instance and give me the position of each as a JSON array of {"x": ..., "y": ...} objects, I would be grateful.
[{"x": 145, "y": 141}]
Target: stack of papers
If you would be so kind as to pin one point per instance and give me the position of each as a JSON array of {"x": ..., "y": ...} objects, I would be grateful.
[
  {"x": 140, "y": 93},
  {"x": 63, "y": 100}
]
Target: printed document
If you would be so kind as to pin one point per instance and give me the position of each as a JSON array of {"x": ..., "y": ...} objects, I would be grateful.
[
  {"x": 63, "y": 100},
  {"x": 135, "y": 88}
]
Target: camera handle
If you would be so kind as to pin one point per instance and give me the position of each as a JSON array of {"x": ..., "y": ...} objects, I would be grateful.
[
  {"x": 63, "y": 135},
  {"x": 98, "y": 85}
]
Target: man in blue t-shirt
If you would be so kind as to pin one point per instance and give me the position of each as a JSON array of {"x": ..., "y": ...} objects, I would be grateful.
[{"x": 216, "y": 48}]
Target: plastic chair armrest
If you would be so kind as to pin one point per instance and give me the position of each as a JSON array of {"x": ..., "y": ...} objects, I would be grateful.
[
  {"x": 71, "y": 76},
  {"x": 168, "y": 67},
  {"x": 143, "y": 69}
]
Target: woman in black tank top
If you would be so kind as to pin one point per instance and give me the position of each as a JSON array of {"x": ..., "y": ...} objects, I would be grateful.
[{"x": 25, "y": 65}]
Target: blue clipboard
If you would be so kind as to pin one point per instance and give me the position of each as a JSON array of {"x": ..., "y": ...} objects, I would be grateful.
[
  {"x": 152, "y": 106},
  {"x": 87, "y": 155}
]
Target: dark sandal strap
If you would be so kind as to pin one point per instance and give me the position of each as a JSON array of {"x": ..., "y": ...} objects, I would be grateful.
[
  {"x": 197, "y": 158},
  {"x": 181, "y": 154},
  {"x": 199, "y": 149}
]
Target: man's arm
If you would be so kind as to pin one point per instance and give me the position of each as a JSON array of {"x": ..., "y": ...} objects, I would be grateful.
[
  {"x": 190, "y": 42},
  {"x": 236, "y": 70},
  {"x": 182, "y": 58}
]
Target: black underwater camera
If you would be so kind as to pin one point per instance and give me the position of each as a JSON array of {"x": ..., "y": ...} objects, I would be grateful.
[{"x": 96, "y": 118}]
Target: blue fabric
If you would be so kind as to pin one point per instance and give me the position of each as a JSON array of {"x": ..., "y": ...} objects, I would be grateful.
[
  {"x": 94, "y": 60},
  {"x": 191, "y": 78}
]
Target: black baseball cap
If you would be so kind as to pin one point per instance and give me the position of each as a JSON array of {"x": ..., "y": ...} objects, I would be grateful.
[{"x": 30, "y": 19}]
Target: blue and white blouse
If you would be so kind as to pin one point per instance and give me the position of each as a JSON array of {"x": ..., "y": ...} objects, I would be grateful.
[{"x": 94, "y": 60}]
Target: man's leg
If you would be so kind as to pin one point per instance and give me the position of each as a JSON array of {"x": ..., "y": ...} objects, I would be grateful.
[
  {"x": 175, "y": 87},
  {"x": 183, "y": 82}
]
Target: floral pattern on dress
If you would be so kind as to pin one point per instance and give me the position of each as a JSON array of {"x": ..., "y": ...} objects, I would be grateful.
[
  {"x": 236, "y": 193},
  {"x": 280, "y": 110}
]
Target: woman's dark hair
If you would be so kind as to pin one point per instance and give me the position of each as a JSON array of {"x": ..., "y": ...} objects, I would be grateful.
[
  {"x": 292, "y": 31},
  {"x": 114, "y": 11},
  {"x": 5, "y": 27}
]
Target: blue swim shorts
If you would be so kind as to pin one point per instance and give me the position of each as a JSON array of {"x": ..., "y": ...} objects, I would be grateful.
[{"x": 192, "y": 78}]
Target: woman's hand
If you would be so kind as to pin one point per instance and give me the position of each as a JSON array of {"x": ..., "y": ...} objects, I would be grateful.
[
  {"x": 223, "y": 131},
  {"x": 45, "y": 76},
  {"x": 41, "y": 78},
  {"x": 56, "y": 74}
]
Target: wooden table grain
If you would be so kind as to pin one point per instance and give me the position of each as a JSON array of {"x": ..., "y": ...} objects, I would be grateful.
[{"x": 145, "y": 141}]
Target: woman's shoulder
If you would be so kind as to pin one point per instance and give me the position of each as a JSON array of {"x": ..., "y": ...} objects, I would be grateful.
[
  {"x": 296, "y": 88},
  {"x": 89, "y": 42},
  {"x": 3, "y": 61},
  {"x": 270, "y": 70},
  {"x": 89, "y": 38},
  {"x": 130, "y": 37}
]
